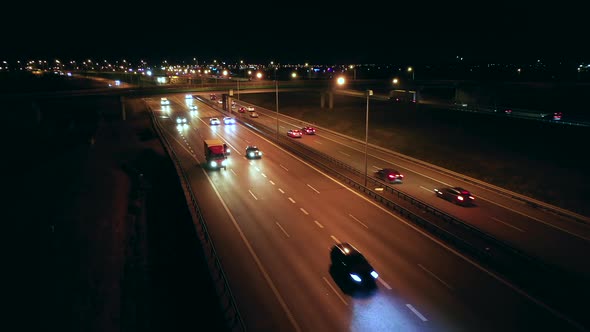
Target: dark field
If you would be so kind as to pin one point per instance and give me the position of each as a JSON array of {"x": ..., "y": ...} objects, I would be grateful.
[
  {"x": 101, "y": 252},
  {"x": 542, "y": 160}
]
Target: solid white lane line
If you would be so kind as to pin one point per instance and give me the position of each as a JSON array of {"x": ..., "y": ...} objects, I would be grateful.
[
  {"x": 281, "y": 227},
  {"x": 285, "y": 168},
  {"x": 318, "y": 142},
  {"x": 303, "y": 210},
  {"x": 251, "y": 193},
  {"x": 416, "y": 312},
  {"x": 292, "y": 200},
  {"x": 312, "y": 188},
  {"x": 507, "y": 224},
  {"x": 318, "y": 223},
  {"x": 360, "y": 222},
  {"x": 281, "y": 190},
  {"x": 434, "y": 275},
  {"x": 335, "y": 291}
]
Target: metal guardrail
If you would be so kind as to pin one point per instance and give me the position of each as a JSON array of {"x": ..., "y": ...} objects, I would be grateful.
[{"x": 228, "y": 303}]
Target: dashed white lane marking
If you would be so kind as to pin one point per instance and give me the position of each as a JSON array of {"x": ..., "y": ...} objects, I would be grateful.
[
  {"x": 384, "y": 283},
  {"x": 231, "y": 170},
  {"x": 318, "y": 223},
  {"x": 292, "y": 200},
  {"x": 312, "y": 188},
  {"x": 303, "y": 210},
  {"x": 344, "y": 153},
  {"x": 335, "y": 291},
  {"x": 417, "y": 312},
  {"x": 507, "y": 224},
  {"x": 281, "y": 227},
  {"x": 360, "y": 222},
  {"x": 281, "y": 190},
  {"x": 335, "y": 239},
  {"x": 263, "y": 174},
  {"x": 271, "y": 182},
  {"x": 251, "y": 193},
  {"x": 285, "y": 168},
  {"x": 434, "y": 275}
]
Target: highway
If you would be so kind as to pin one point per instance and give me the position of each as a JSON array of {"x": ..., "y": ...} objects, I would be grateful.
[{"x": 274, "y": 220}]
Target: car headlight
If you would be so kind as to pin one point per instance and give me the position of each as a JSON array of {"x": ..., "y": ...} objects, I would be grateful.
[
  {"x": 374, "y": 274},
  {"x": 355, "y": 277},
  {"x": 224, "y": 162},
  {"x": 251, "y": 154},
  {"x": 213, "y": 164}
]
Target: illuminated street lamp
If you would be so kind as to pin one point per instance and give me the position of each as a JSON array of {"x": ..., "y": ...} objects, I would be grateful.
[
  {"x": 369, "y": 93},
  {"x": 411, "y": 70},
  {"x": 341, "y": 80}
]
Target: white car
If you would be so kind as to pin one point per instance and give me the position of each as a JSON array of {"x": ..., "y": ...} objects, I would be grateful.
[
  {"x": 214, "y": 121},
  {"x": 229, "y": 120},
  {"x": 250, "y": 108},
  {"x": 187, "y": 96},
  {"x": 164, "y": 101},
  {"x": 181, "y": 120}
]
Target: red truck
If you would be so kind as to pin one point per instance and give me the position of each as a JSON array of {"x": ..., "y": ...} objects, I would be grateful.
[{"x": 216, "y": 153}]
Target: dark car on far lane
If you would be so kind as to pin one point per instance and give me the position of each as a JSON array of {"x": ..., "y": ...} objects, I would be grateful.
[
  {"x": 455, "y": 195},
  {"x": 389, "y": 175},
  {"x": 308, "y": 130}
]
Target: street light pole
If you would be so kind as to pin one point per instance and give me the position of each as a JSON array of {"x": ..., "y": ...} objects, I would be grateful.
[
  {"x": 369, "y": 93},
  {"x": 277, "y": 102},
  {"x": 238, "y": 80}
]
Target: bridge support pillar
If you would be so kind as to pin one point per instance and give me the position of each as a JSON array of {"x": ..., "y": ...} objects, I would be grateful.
[
  {"x": 330, "y": 99},
  {"x": 123, "y": 114}
]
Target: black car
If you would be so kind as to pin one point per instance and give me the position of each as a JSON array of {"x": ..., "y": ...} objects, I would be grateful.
[
  {"x": 347, "y": 259},
  {"x": 253, "y": 152},
  {"x": 456, "y": 195},
  {"x": 390, "y": 175}
]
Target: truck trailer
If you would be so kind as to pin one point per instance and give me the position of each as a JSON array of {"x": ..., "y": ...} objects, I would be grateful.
[{"x": 215, "y": 153}]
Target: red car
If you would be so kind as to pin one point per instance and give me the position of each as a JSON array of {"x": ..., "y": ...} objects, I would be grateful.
[
  {"x": 242, "y": 109},
  {"x": 308, "y": 130},
  {"x": 296, "y": 133}
]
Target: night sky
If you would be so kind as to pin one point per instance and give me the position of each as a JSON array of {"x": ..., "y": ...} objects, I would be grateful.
[{"x": 302, "y": 32}]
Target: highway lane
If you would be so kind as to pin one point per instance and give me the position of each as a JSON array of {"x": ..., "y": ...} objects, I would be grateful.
[
  {"x": 524, "y": 227},
  {"x": 290, "y": 215}
]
